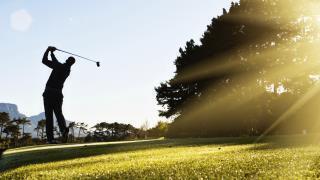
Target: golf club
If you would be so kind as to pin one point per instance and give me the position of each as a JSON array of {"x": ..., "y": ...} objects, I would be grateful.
[{"x": 97, "y": 62}]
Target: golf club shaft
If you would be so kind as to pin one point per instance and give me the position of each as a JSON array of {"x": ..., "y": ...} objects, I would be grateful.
[{"x": 77, "y": 55}]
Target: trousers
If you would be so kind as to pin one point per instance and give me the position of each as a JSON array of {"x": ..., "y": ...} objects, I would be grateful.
[{"x": 53, "y": 104}]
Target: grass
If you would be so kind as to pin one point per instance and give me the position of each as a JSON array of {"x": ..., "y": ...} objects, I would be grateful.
[{"x": 286, "y": 157}]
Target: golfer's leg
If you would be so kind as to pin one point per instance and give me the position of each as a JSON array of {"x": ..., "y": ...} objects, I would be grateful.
[
  {"x": 48, "y": 108},
  {"x": 59, "y": 115}
]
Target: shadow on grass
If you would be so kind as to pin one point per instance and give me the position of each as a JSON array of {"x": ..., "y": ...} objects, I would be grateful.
[
  {"x": 289, "y": 141},
  {"x": 35, "y": 155},
  {"x": 39, "y": 155}
]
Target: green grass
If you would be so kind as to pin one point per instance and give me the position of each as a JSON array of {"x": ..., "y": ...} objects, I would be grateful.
[{"x": 287, "y": 157}]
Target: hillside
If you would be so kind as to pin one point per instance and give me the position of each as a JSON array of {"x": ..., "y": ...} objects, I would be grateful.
[
  {"x": 286, "y": 157},
  {"x": 13, "y": 111}
]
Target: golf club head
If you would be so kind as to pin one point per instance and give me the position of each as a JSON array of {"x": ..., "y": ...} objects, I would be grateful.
[{"x": 98, "y": 64}]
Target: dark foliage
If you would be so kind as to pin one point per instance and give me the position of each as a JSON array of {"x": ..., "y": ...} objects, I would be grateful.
[
  {"x": 160, "y": 130},
  {"x": 112, "y": 131},
  {"x": 230, "y": 84}
]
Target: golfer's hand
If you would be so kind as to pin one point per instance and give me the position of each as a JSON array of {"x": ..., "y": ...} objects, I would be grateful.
[{"x": 52, "y": 49}]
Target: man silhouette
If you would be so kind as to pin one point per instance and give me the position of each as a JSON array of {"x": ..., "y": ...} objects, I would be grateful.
[{"x": 52, "y": 96}]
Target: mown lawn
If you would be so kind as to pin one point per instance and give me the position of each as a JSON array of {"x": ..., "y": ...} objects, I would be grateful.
[{"x": 287, "y": 157}]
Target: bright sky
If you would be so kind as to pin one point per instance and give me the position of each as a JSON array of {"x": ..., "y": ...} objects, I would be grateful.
[{"x": 136, "y": 42}]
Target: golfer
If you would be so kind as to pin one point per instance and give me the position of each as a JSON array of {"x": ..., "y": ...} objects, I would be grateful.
[{"x": 52, "y": 96}]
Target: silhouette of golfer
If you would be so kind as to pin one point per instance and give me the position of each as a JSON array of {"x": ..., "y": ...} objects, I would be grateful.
[{"x": 52, "y": 96}]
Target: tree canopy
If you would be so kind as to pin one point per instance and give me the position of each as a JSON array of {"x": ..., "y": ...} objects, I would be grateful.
[{"x": 256, "y": 66}]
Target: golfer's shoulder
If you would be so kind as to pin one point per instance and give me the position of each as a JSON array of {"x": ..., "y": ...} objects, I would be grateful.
[
  {"x": 66, "y": 67},
  {"x": 58, "y": 65}
]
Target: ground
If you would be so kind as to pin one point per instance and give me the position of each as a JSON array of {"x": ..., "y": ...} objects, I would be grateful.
[{"x": 287, "y": 157}]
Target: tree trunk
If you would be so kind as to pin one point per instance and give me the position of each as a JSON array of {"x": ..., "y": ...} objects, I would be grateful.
[
  {"x": 42, "y": 133},
  {"x": 72, "y": 132},
  {"x": 22, "y": 130},
  {"x": 1, "y": 132}
]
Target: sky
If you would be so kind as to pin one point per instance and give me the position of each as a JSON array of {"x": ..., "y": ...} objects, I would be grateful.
[{"x": 135, "y": 41}]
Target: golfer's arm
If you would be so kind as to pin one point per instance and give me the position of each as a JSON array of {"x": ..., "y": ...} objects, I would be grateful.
[
  {"x": 45, "y": 59},
  {"x": 53, "y": 57}
]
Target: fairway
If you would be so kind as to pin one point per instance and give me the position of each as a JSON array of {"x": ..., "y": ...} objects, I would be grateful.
[{"x": 276, "y": 157}]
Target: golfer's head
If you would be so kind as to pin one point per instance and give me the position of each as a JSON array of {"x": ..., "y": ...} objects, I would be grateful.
[{"x": 70, "y": 61}]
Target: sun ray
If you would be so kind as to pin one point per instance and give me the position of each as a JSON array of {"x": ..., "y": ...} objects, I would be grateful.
[{"x": 298, "y": 104}]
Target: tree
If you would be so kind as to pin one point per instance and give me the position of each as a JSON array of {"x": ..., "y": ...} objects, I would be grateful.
[
  {"x": 159, "y": 130},
  {"x": 17, "y": 122},
  {"x": 144, "y": 128},
  {"x": 82, "y": 127},
  {"x": 252, "y": 60},
  {"x": 6, "y": 130},
  {"x": 24, "y": 122},
  {"x": 112, "y": 131},
  {"x": 55, "y": 130},
  {"x": 14, "y": 131},
  {"x": 71, "y": 126},
  {"x": 4, "y": 121},
  {"x": 26, "y": 139},
  {"x": 41, "y": 128},
  {"x": 103, "y": 131},
  {"x": 37, "y": 129}
]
